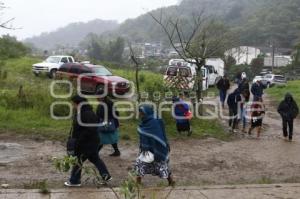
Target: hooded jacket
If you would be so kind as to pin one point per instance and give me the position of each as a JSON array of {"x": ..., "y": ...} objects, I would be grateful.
[
  {"x": 288, "y": 108},
  {"x": 87, "y": 139},
  {"x": 223, "y": 84},
  {"x": 234, "y": 99},
  {"x": 257, "y": 89}
]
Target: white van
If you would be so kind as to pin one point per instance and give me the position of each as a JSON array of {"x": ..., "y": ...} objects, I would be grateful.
[
  {"x": 182, "y": 75},
  {"x": 215, "y": 68}
]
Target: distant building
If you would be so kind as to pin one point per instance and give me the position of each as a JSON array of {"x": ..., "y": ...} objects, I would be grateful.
[
  {"x": 278, "y": 51},
  {"x": 279, "y": 61},
  {"x": 145, "y": 50},
  {"x": 243, "y": 54},
  {"x": 152, "y": 50},
  {"x": 172, "y": 54}
]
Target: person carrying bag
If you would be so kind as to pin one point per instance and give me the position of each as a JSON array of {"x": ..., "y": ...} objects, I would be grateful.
[
  {"x": 154, "y": 147},
  {"x": 83, "y": 142},
  {"x": 108, "y": 129}
]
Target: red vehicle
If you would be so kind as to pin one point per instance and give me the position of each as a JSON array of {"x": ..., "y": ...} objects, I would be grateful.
[{"x": 94, "y": 78}]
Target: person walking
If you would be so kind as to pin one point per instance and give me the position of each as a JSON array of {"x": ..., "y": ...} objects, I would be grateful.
[
  {"x": 154, "y": 147},
  {"x": 244, "y": 85},
  {"x": 245, "y": 98},
  {"x": 183, "y": 115},
  {"x": 257, "y": 114},
  {"x": 233, "y": 101},
  {"x": 86, "y": 142},
  {"x": 288, "y": 110},
  {"x": 257, "y": 90},
  {"x": 108, "y": 136},
  {"x": 223, "y": 85}
]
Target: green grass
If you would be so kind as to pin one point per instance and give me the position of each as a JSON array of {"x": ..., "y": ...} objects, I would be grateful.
[
  {"x": 265, "y": 180},
  {"x": 28, "y": 112},
  {"x": 278, "y": 92}
]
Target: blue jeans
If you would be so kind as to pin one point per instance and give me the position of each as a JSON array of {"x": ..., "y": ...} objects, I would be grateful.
[
  {"x": 93, "y": 158},
  {"x": 223, "y": 95},
  {"x": 243, "y": 117}
]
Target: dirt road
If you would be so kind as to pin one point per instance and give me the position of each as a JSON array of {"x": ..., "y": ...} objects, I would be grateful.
[{"x": 194, "y": 162}]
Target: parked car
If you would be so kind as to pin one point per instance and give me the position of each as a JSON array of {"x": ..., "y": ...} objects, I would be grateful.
[
  {"x": 257, "y": 78},
  {"x": 94, "y": 78},
  {"x": 51, "y": 65},
  {"x": 265, "y": 72},
  {"x": 271, "y": 80}
]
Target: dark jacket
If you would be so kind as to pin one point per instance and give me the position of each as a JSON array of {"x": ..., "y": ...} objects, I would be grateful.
[
  {"x": 244, "y": 86},
  {"x": 288, "y": 108},
  {"x": 87, "y": 139},
  {"x": 110, "y": 110},
  {"x": 223, "y": 84},
  {"x": 233, "y": 100},
  {"x": 257, "y": 89}
]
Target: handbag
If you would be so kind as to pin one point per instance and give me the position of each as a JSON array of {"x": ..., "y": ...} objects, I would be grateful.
[
  {"x": 188, "y": 115},
  {"x": 107, "y": 127},
  {"x": 146, "y": 157},
  {"x": 71, "y": 144}
]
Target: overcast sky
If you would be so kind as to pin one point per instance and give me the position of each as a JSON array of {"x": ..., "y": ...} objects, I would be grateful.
[{"x": 37, "y": 16}]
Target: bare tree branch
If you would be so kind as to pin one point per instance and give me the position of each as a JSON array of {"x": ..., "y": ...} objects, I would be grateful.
[
  {"x": 6, "y": 24},
  {"x": 137, "y": 68},
  {"x": 202, "y": 40},
  {"x": 169, "y": 35}
]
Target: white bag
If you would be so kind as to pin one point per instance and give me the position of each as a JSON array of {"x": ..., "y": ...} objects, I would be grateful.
[{"x": 146, "y": 157}]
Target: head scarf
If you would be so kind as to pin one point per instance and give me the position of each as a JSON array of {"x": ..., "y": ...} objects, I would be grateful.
[{"x": 152, "y": 134}]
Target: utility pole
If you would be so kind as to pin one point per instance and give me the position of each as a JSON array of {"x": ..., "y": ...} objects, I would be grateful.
[{"x": 273, "y": 57}]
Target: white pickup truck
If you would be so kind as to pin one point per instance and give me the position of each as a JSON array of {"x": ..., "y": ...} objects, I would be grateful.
[{"x": 51, "y": 65}]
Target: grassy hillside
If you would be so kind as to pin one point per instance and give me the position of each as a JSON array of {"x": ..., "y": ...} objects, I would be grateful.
[
  {"x": 26, "y": 110},
  {"x": 279, "y": 92}
]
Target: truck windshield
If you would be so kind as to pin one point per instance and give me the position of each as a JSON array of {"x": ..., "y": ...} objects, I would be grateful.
[
  {"x": 172, "y": 71},
  {"x": 279, "y": 78},
  {"x": 184, "y": 72},
  {"x": 101, "y": 71},
  {"x": 53, "y": 60}
]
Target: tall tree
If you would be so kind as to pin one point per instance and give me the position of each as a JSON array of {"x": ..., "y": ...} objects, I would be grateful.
[
  {"x": 196, "y": 40},
  {"x": 115, "y": 50},
  {"x": 11, "y": 48}
]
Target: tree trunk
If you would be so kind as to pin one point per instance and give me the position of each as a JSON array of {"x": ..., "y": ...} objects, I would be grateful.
[{"x": 137, "y": 81}]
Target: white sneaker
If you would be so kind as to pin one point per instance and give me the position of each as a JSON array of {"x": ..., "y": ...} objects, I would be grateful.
[
  {"x": 69, "y": 184},
  {"x": 106, "y": 179}
]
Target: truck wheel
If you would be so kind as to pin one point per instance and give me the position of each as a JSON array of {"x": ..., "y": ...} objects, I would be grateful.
[
  {"x": 99, "y": 89},
  {"x": 52, "y": 74},
  {"x": 36, "y": 74}
]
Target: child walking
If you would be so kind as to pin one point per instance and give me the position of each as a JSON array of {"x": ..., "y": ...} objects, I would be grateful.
[{"x": 257, "y": 114}]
